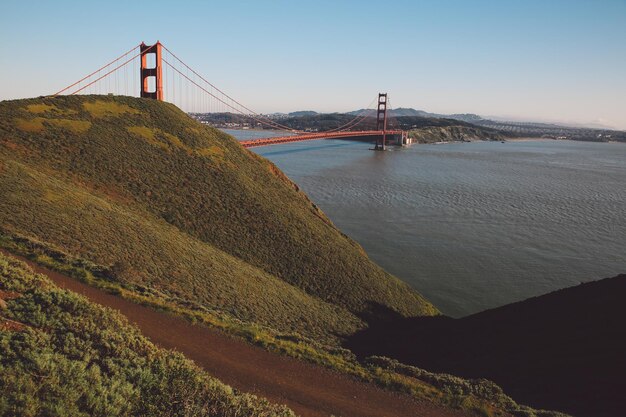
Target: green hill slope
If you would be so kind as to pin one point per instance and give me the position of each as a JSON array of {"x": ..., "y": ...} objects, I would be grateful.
[
  {"x": 172, "y": 207},
  {"x": 62, "y": 355}
]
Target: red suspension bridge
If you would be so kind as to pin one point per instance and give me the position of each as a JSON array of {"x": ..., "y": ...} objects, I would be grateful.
[{"x": 164, "y": 76}]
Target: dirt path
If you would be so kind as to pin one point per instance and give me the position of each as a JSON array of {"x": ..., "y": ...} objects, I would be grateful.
[{"x": 309, "y": 390}]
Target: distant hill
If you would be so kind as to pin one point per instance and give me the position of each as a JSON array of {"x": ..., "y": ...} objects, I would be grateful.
[
  {"x": 584, "y": 132},
  {"x": 402, "y": 111},
  {"x": 303, "y": 113},
  {"x": 407, "y": 118},
  {"x": 181, "y": 211},
  {"x": 453, "y": 133},
  {"x": 421, "y": 129},
  {"x": 563, "y": 350},
  {"x": 408, "y": 112}
]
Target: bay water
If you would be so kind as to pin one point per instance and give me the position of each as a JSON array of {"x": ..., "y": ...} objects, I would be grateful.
[{"x": 477, "y": 225}]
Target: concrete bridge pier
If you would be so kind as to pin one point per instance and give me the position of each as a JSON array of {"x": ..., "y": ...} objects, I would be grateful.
[{"x": 397, "y": 139}]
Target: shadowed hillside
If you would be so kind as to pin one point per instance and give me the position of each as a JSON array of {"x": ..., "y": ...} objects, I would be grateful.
[
  {"x": 564, "y": 350},
  {"x": 174, "y": 208}
]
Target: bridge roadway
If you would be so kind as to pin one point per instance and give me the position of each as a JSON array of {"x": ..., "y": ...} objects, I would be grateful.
[{"x": 320, "y": 135}]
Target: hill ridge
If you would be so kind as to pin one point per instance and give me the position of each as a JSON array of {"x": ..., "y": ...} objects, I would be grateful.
[{"x": 118, "y": 158}]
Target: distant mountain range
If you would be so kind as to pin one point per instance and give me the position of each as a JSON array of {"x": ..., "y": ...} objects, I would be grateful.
[
  {"x": 303, "y": 113},
  {"x": 464, "y": 117},
  {"x": 408, "y": 119},
  {"x": 399, "y": 112},
  {"x": 402, "y": 111}
]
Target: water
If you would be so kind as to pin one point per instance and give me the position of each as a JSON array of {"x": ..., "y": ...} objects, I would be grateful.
[{"x": 475, "y": 225}]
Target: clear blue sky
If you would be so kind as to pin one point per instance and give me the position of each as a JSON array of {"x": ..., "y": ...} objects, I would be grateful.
[{"x": 541, "y": 60}]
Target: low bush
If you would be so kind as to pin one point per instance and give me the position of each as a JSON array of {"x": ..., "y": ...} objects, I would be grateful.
[{"x": 74, "y": 358}]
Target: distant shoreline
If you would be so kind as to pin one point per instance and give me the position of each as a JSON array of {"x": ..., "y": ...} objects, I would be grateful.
[{"x": 531, "y": 139}]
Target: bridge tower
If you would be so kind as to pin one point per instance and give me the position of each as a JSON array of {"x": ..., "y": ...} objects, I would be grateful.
[
  {"x": 381, "y": 121},
  {"x": 147, "y": 71}
]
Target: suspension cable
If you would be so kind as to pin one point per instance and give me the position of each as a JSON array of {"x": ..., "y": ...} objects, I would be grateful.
[
  {"x": 96, "y": 71},
  {"x": 229, "y": 102},
  {"x": 361, "y": 115},
  {"x": 220, "y": 91},
  {"x": 271, "y": 124},
  {"x": 362, "y": 118},
  {"x": 392, "y": 120},
  {"x": 108, "y": 73}
]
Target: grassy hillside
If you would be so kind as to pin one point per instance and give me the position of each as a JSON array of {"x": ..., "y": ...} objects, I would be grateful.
[
  {"x": 23, "y": 307},
  {"x": 173, "y": 208},
  {"x": 61, "y": 355}
]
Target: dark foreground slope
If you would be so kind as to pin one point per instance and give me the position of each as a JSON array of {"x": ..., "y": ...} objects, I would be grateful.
[
  {"x": 64, "y": 356},
  {"x": 183, "y": 211},
  {"x": 564, "y": 350}
]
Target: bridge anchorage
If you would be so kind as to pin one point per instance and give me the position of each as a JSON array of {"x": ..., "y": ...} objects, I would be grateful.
[{"x": 165, "y": 77}]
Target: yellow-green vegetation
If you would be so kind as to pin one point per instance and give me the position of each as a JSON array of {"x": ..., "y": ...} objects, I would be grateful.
[
  {"x": 218, "y": 280},
  {"x": 75, "y": 126},
  {"x": 37, "y": 124},
  {"x": 165, "y": 141},
  {"x": 98, "y": 276},
  {"x": 51, "y": 109},
  {"x": 41, "y": 108},
  {"x": 30, "y": 125},
  {"x": 479, "y": 397},
  {"x": 211, "y": 151},
  {"x": 68, "y": 357},
  {"x": 149, "y": 135},
  {"x": 107, "y": 108},
  {"x": 182, "y": 210}
]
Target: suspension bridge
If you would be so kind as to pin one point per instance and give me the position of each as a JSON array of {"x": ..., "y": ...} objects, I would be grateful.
[{"x": 164, "y": 76}]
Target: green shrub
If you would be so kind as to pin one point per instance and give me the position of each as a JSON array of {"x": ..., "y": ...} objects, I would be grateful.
[
  {"x": 480, "y": 395},
  {"x": 75, "y": 358}
]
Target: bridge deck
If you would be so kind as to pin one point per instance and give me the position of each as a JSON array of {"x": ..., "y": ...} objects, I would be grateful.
[{"x": 314, "y": 136}]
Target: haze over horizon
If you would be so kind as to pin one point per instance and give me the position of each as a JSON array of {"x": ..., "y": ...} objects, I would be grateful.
[{"x": 558, "y": 61}]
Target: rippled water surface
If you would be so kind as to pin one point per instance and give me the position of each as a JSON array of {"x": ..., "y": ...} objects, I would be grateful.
[{"x": 474, "y": 225}]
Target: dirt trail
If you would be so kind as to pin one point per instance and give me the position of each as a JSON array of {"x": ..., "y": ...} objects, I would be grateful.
[{"x": 309, "y": 390}]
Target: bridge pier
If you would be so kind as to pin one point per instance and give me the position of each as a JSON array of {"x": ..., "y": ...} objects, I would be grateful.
[{"x": 381, "y": 121}]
